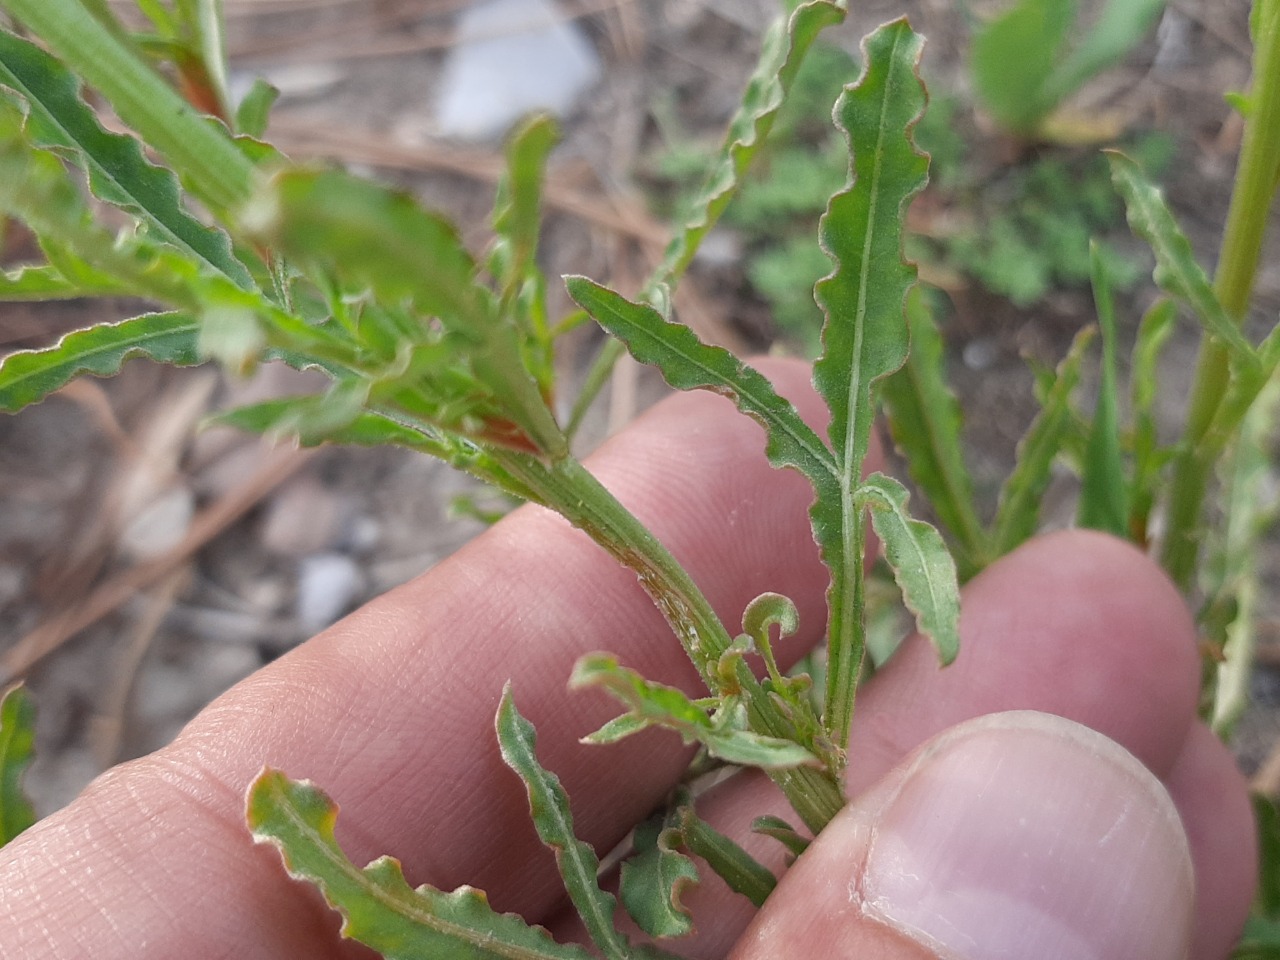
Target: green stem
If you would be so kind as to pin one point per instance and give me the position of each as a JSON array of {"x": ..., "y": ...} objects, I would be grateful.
[
  {"x": 1255, "y": 187},
  {"x": 846, "y": 629},
  {"x": 567, "y": 487},
  {"x": 209, "y": 162}
]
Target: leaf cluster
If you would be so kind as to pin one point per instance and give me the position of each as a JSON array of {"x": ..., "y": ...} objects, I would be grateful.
[{"x": 435, "y": 347}]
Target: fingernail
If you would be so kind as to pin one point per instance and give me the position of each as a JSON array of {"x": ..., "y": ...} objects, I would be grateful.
[{"x": 1023, "y": 835}]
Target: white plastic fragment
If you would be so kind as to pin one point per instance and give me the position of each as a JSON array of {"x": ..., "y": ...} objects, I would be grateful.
[{"x": 512, "y": 57}]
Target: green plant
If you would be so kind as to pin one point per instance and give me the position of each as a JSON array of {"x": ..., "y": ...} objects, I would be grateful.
[
  {"x": 1025, "y": 63},
  {"x": 317, "y": 268}
]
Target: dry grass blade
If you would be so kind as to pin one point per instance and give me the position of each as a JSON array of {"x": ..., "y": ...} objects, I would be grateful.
[{"x": 277, "y": 466}]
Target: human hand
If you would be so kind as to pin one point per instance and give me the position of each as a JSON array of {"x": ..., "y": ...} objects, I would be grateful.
[{"x": 391, "y": 710}]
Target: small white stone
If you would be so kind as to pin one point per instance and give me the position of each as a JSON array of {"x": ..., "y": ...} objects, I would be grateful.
[
  {"x": 512, "y": 57},
  {"x": 328, "y": 583},
  {"x": 160, "y": 525}
]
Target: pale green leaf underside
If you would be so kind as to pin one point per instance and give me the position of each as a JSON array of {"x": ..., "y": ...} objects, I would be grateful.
[
  {"x": 656, "y": 704},
  {"x": 1177, "y": 272},
  {"x": 549, "y": 807},
  {"x": 379, "y": 908},
  {"x": 921, "y": 563},
  {"x": 29, "y": 376},
  {"x": 17, "y": 741},
  {"x": 119, "y": 173},
  {"x": 654, "y": 878}
]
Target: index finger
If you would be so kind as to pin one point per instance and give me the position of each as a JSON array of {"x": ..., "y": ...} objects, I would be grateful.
[{"x": 391, "y": 711}]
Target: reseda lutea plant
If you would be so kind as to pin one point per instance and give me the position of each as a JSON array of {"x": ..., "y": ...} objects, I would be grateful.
[
  {"x": 320, "y": 269},
  {"x": 434, "y": 349}
]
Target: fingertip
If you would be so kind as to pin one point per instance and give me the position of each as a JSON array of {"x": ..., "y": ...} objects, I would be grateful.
[
  {"x": 1075, "y": 623},
  {"x": 1010, "y": 836}
]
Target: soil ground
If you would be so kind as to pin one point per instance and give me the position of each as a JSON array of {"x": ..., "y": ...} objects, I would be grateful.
[{"x": 145, "y": 567}]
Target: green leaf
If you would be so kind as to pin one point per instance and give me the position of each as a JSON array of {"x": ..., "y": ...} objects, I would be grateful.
[
  {"x": 1018, "y": 513},
  {"x": 926, "y": 422},
  {"x": 655, "y": 877},
  {"x": 1103, "y": 497},
  {"x": 203, "y": 154},
  {"x": 783, "y": 832},
  {"x": 292, "y": 416},
  {"x": 1268, "y": 822},
  {"x": 1119, "y": 28},
  {"x": 46, "y": 282},
  {"x": 517, "y": 223},
  {"x": 371, "y": 236},
  {"x": 782, "y": 54},
  {"x": 689, "y": 364},
  {"x": 549, "y": 806},
  {"x": 657, "y": 704},
  {"x": 921, "y": 564},
  {"x": 741, "y": 871},
  {"x": 1177, "y": 273},
  {"x": 865, "y": 337},
  {"x": 118, "y": 172},
  {"x": 28, "y": 376},
  {"x": 379, "y": 908},
  {"x": 1013, "y": 56},
  {"x": 518, "y": 217},
  {"x": 17, "y": 740},
  {"x": 1148, "y": 457},
  {"x": 254, "y": 111}
]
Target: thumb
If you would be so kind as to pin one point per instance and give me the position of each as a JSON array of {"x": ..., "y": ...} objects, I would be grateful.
[{"x": 1015, "y": 835}]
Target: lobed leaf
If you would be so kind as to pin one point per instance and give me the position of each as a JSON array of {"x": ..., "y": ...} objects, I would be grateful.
[
  {"x": 382, "y": 239},
  {"x": 655, "y": 704},
  {"x": 782, "y": 53},
  {"x": 865, "y": 337},
  {"x": 549, "y": 806},
  {"x": 17, "y": 742},
  {"x": 655, "y": 877},
  {"x": 1103, "y": 495},
  {"x": 921, "y": 564},
  {"x": 28, "y": 376},
  {"x": 119, "y": 173},
  {"x": 1018, "y": 513},
  {"x": 1177, "y": 273},
  {"x": 689, "y": 364},
  {"x": 925, "y": 421},
  {"x": 378, "y": 907},
  {"x": 95, "y": 48}
]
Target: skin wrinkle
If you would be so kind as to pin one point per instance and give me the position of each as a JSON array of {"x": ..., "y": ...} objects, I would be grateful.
[{"x": 263, "y": 719}]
